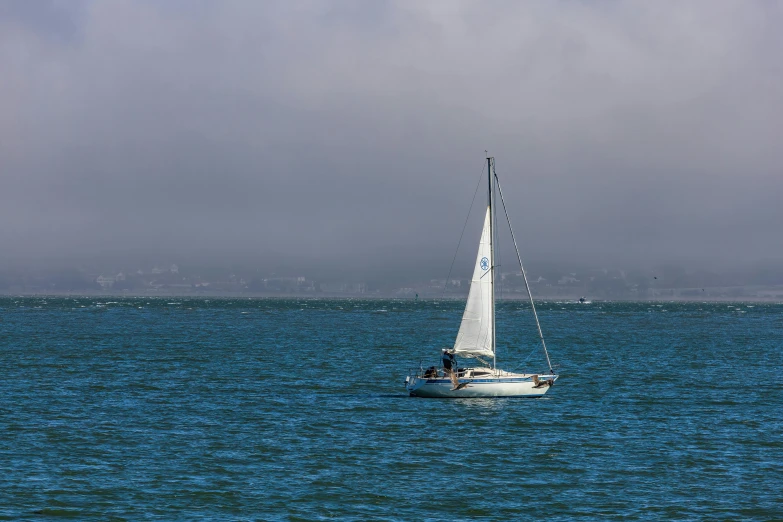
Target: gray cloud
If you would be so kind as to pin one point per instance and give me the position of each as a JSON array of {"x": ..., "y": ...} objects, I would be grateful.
[{"x": 352, "y": 133}]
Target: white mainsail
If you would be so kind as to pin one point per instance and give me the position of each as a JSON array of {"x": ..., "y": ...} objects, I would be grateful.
[{"x": 476, "y": 333}]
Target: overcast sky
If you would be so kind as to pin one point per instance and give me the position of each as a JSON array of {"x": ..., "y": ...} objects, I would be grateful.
[{"x": 351, "y": 134}]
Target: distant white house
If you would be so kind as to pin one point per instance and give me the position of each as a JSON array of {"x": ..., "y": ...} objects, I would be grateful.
[
  {"x": 344, "y": 288},
  {"x": 105, "y": 281},
  {"x": 566, "y": 279}
]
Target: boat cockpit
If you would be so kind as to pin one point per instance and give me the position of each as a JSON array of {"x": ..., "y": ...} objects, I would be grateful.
[{"x": 463, "y": 373}]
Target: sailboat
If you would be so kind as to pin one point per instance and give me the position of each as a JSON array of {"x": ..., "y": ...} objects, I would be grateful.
[{"x": 476, "y": 337}]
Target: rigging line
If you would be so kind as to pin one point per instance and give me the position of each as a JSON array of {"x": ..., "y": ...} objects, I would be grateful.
[
  {"x": 498, "y": 273},
  {"x": 445, "y": 284},
  {"x": 524, "y": 361},
  {"x": 521, "y": 364},
  {"x": 524, "y": 275}
]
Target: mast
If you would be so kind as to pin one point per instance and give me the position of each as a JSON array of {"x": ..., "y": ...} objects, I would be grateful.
[{"x": 492, "y": 257}]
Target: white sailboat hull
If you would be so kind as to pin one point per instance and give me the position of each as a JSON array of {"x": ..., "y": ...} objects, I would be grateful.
[{"x": 504, "y": 385}]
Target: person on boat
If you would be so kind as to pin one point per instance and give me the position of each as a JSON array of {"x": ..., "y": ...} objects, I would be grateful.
[
  {"x": 431, "y": 373},
  {"x": 449, "y": 361}
]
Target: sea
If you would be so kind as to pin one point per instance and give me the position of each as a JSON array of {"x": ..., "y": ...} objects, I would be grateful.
[{"x": 294, "y": 409}]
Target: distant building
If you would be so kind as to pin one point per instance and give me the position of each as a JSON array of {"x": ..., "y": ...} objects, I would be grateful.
[
  {"x": 174, "y": 269},
  {"x": 343, "y": 288},
  {"x": 105, "y": 281}
]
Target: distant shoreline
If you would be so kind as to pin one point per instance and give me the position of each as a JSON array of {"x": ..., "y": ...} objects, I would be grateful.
[{"x": 370, "y": 296}]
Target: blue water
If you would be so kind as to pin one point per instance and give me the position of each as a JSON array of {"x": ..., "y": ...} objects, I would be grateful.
[{"x": 262, "y": 409}]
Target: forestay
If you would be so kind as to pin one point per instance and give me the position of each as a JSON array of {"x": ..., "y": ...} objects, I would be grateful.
[{"x": 476, "y": 333}]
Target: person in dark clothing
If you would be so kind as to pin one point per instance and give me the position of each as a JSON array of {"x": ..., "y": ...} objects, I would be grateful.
[{"x": 449, "y": 361}]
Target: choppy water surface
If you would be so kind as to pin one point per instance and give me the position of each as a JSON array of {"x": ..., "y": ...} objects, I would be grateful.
[{"x": 263, "y": 409}]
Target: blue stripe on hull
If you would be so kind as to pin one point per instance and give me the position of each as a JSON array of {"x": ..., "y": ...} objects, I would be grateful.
[{"x": 468, "y": 379}]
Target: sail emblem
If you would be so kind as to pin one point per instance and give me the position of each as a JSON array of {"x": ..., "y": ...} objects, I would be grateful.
[{"x": 484, "y": 263}]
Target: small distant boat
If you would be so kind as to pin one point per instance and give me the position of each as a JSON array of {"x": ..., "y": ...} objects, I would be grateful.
[
  {"x": 476, "y": 337},
  {"x": 582, "y": 300}
]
